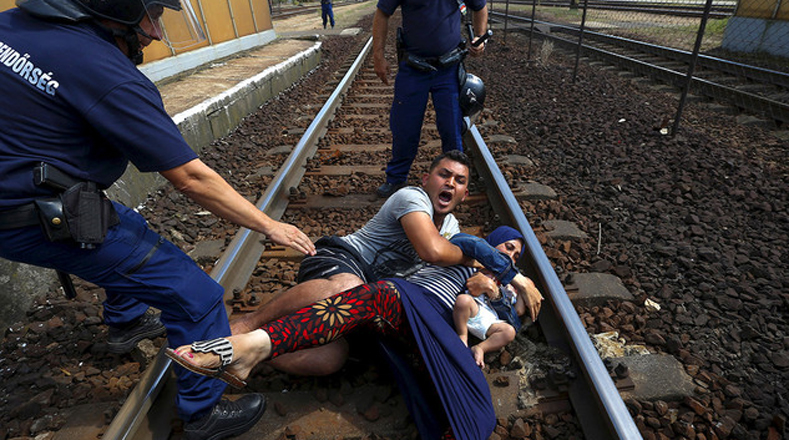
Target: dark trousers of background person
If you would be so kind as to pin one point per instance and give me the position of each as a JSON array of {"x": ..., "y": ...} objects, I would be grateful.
[
  {"x": 411, "y": 90},
  {"x": 327, "y": 14}
]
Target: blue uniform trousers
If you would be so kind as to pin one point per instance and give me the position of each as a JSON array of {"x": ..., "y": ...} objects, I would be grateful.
[
  {"x": 327, "y": 14},
  {"x": 411, "y": 91},
  {"x": 137, "y": 268}
]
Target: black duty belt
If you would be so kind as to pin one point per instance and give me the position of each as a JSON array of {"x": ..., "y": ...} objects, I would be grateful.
[{"x": 19, "y": 217}]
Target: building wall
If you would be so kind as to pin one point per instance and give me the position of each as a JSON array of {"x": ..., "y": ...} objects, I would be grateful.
[
  {"x": 767, "y": 9},
  {"x": 759, "y": 26}
]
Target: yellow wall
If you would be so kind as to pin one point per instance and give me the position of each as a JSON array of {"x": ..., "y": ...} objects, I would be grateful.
[
  {"x": 763, "y": 9},
  {"x": 262, "y": 14},
  {"x": 783, "y": 12},
  {"x": 251, "y": 16}
]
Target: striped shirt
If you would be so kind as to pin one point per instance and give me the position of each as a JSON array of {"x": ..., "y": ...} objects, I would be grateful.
[{"x": 444, "y": 282}]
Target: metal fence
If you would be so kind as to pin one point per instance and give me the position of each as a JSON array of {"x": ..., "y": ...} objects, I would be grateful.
[{"x": 735, "y": 44}]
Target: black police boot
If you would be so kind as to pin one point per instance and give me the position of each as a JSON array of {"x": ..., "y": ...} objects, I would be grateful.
[
  {"x": 387, "y": 189},
  {"x": 228, "y": 418},
  {"x": 123, "y": 339}
]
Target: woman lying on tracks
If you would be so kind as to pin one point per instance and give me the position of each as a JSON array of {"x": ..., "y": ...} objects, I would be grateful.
[{"x": 406, "y": 315}]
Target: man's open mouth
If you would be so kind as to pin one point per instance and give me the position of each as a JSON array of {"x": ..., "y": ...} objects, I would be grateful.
[{"x": 445, "y": 196}]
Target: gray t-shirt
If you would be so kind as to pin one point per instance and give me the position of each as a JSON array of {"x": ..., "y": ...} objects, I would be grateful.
[{"x": 382, "y": 242}]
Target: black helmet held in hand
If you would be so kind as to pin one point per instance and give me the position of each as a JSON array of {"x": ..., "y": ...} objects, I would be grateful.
[{"x": 472, "y": 95}]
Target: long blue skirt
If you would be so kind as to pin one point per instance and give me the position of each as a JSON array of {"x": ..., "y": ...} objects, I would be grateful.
[{"x": 461, "y": 387}]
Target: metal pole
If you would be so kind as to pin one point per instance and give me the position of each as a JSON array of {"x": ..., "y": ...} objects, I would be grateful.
[
  {"x": 776, "y": 10},
  {"x": 506, "y": 19},
  {"x": 254, "y": 16},
  {"x": 692, "y": 66},
  {"x": 580, "y": 42},
  {"x": 531, "y": 28},
  {"x": 232, "y": 18},
  {"x": 207, "y": 30}
]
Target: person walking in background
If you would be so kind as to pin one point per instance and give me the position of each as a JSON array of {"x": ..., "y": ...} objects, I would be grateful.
[
  {"x": 326, "y": 13},
  {"x": 429, "y": 56}
]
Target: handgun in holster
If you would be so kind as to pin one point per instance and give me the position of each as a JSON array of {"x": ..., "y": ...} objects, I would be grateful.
[
  {"x": 80, "y": 212},
  {"x": 50, "y": 209}
]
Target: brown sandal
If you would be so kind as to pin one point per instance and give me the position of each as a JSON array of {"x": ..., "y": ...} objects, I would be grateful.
[{"x": 220, "y": 347}]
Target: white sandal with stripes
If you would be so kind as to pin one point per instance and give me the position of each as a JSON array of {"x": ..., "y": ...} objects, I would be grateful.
[{"x": 220, "y": 347}]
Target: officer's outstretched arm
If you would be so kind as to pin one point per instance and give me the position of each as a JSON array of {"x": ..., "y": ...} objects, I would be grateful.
[{"x": 203, "y": 185}]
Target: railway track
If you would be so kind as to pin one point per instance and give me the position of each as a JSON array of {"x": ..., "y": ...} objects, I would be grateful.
[
  {"x": 322, "y": 179},
  {"x": 719, "y": 9},
  {"x": 751, "y": 89}
]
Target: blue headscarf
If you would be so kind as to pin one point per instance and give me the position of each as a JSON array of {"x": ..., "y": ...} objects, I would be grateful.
[{"x": 503, "y": 234}]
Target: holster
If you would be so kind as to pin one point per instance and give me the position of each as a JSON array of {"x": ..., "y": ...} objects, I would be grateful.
[
  {"x": 89, "y": 213},
  {"x": 419, "y": 63},
  {"x": 80, "y": 212},
  {"x": 449, "y": 59}
]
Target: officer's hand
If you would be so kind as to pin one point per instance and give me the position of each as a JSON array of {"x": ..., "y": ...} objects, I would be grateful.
[
  {"x": 289, "y": 235},
  {"x": 476, "y": 51},
  {"x": 381, "y": 67}
]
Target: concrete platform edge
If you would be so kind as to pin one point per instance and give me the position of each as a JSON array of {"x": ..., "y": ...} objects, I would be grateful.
[{"x": 168, "y": 67}]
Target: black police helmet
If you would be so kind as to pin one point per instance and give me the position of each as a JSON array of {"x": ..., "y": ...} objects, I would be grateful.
[
  {"x": 472, "y": 96},
  {"x": 129, "y": 12}
]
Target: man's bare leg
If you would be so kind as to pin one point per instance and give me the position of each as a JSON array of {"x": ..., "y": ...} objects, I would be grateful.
[
  {"x": 319, "y": 361},
  {"x": 293, "y": 299}
]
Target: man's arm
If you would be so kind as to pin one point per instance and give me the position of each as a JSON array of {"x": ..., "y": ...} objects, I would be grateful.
[
  {"x": 203, "y": 185},
  {"x": 380, "y": 31},
  {"x": 528, "y": 291},
  {"x": 488, "y": 256},
  {"x": 480, "y": 21},
  {"x": 428, "y": 243}
]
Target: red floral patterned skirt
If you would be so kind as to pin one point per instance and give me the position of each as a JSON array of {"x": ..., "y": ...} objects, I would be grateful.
[{"x": 374, "y": 306}]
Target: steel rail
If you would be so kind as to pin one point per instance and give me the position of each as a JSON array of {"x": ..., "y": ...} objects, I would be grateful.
[
  {"x": 718, "y": 12},
  {"x": 131, "y": 417},
  {"x": 776, "y": 110},
  {"x": 596, "y": 400}
]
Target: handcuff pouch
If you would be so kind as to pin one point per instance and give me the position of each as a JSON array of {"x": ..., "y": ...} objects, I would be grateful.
[{"x": 53, "y": 219}]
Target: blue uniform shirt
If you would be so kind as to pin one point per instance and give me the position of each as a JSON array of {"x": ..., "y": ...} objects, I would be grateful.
[
  {"x": 88, "y": 111},
  {"x": 431, "y": 28}
]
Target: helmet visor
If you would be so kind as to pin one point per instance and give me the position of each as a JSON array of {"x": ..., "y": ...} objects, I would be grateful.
[{"x": 175, "y": 23}]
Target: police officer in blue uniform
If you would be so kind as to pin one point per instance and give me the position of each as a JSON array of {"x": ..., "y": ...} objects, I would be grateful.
[
  {"x": 327, "y": 14},
  {"x": 76, "y": 111},
  {"x": 428, "y": 56}
]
